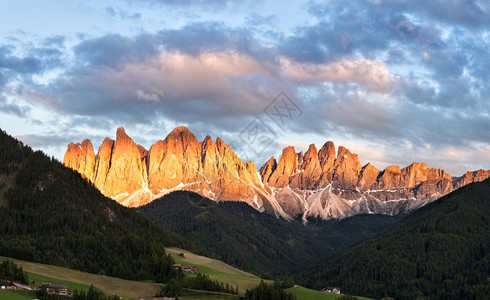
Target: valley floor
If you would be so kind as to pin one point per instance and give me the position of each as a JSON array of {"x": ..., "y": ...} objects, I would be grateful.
[
  {"x": 308, "y": 294},
  {"x": 216, "y": 269},
  {"x": 82, "y": 281},
  {"x": 126, "y": 289}
]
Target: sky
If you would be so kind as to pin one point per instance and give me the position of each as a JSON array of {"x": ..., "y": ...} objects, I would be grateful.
[{"x": 394, "y": 81}]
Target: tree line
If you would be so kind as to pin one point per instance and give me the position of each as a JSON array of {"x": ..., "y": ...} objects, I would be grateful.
[{"x": 11, "y": 272}]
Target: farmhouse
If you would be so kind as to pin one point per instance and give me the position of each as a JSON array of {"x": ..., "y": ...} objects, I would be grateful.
[
  {"x": 188, "y": 269},
  {"x": 335, "y": 290},
  {"x": 57, "y": 289}
]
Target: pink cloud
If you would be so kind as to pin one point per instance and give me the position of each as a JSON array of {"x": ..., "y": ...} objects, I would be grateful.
[{"x": 373, "y": 74}]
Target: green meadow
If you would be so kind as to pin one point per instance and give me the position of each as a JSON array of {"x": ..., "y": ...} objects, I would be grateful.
[{"x": 306, "y": 294}]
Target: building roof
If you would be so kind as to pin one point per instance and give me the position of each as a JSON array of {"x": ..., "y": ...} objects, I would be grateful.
[{"x": 55, "y": 286}]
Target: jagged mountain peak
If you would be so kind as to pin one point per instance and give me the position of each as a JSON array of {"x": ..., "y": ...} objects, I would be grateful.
[
  {"x": 327, "y": 149},
  {"x": 182, "y": 134},
  {"x": 221, "y": 144},
  {"x": 208, "y": 140},
  {"x": 121, "y": 133},
  {"x": 267, "y": 169},
  {"x": 312, "y": 151}
]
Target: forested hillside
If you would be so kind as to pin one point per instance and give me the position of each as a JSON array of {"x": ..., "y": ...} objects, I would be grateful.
[
  {"x": 49, "y": 214},
  {"x": 257, "y": 242},
  {"x": 441, "y": 251}
]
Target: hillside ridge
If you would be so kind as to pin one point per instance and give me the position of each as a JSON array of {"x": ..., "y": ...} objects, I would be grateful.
[
  {"x": 51, "y": 215},
  {"x": 441, "y": 251}
]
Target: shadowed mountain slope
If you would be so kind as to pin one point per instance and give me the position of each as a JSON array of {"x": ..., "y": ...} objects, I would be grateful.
[
  {"x": 441, "y": 251},
  {"x": 257, "y": 242}
]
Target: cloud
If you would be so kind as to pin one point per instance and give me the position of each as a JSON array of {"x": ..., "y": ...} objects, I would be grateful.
[
  {"x": 372, "y": 74},
  {"x": 22, "y": 66},
  {"x": 10, "y": 108},
  {"x": 119, "y": 13},
  {"x": 473, "y": 14},
  {"x": 57, "y": 41},
  {"x": 40, "y": 140},
  {"x": 201, "y": 4},
  {"x": 172, "y": 84},
  {"x": 115, "y": 50},
  {"x": 195, "y": 38},
  {"x": 215, "y": 85},
  {"x": 255, "y": 19}
]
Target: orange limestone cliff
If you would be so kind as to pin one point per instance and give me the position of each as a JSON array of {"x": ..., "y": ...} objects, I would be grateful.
[
  {"x": 127, "y": 172},
  {"x": 134, "y": 176},
  {"x": 321, "y": 183},
  {"x": 81, "y": 157},
  {"x": 328, "y": 185}
]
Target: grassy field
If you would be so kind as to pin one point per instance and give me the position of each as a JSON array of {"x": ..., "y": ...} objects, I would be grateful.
[
  {"x": 302, "y": 293},
  {"x": 216, "y": 269},
  {"x": 39, "y": 279},
  {"x": 76, "y": 279},
  {"x": 6, "y": 295},
  {"x": 218, "y": 297}
]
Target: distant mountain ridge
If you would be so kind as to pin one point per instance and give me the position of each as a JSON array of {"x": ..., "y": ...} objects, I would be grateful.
[{"x": 320, "y": 183}]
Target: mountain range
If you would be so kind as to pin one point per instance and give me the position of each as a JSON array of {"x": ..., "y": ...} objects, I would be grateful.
[{"x": 325, "y": 183}]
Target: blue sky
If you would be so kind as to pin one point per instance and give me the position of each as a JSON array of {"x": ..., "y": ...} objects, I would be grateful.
[{"x": 394, "y": 81}]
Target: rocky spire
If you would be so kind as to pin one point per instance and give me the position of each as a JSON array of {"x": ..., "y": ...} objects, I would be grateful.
[
  {"x": 126, "y": 172},
  {"x": 81, "y": 158}
]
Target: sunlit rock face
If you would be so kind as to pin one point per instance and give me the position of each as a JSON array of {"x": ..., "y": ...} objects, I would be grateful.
[
  {"x": 322, "y": 183},
  {"x": 134, "y": 176},
  {"x": 103, "y": 163},
  {"x": 127, "y": 172},
  {"x": 81, "y": 157},
  {"x": 329, "y": 185}
]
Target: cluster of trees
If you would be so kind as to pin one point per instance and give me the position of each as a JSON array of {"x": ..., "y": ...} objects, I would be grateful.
[
  {"x": 273, "y": 291},
  {"x": 257, "y": 242},
  {"x": 12, "y": 152},
  {"x": 199, "y": 282},
  {"x": 173, "y": 288},
  {"x": 92, "y": 294},
  {"x": 9, "y": 271},
  {"x": 441, "y": 251},
  {"x": 287, "y": 282},
  {"x": 51, "y": 215},
  {"x": 203, "y": 282}
]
